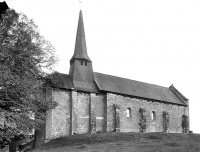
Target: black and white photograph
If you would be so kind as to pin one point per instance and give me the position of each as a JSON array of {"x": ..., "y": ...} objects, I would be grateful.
[{"x": 99, "y": 75}]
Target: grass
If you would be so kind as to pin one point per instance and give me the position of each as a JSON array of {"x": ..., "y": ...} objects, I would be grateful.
[{"x": 124, "y": 142}]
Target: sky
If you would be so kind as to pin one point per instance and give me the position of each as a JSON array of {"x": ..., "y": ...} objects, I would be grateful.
[{"x": 155, "y": 41}]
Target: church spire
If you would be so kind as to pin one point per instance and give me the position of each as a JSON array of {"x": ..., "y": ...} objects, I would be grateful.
[
  {"x": 81, "y": 70},
  {"x": 80, "y": 51}
]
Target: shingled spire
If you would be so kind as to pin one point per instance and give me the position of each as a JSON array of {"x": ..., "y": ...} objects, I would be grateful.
[
  {"x": 80, "y": 51},
  {"x": 81, "y": 70}
]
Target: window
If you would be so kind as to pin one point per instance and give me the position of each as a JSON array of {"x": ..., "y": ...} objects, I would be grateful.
[
  {"x": 153, "y": 115},
  {"x": 84, "y": 63},
  {"x": 128, "y": 112}
]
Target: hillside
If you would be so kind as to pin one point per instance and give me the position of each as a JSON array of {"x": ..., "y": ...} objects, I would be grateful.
[{"x": 124, "y": 142}]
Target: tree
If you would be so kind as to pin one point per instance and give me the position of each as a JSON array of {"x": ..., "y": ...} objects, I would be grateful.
[
  {"x": 26, "y": 58},
  {"x": 3, "y": 7}
]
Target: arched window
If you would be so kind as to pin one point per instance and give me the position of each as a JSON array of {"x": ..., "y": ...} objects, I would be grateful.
[
  {"x": 128, "y": 112},
  {"x": 153, "y": 115}
]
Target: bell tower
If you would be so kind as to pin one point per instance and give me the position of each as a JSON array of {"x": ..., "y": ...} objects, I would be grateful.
[{"x": 81, "y": 70}]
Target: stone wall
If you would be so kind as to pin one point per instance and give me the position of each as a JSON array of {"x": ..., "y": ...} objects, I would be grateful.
[
  {"x": 98, "y": 112},
  {"x": 81, "y": 112},
  {"x": 48, "y": 126},
  {"x": 76, "y": 113},
  {"x": 58, "y": 119},
  {"x": 88, "y": 113},
  {"x": 131, "y": 124}
]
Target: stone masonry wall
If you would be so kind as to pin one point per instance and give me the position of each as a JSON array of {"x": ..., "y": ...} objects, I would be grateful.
[
  {"x": 131, "y": 124},
  {"x": 48, "y": 115},
  {"x": 77, "y": 113},
  {"x": 98, "y": 112},
  {"x": 87, "y": 113},
  {"x": 58, "y": 119},
  {"x": 82, "y": 112}
]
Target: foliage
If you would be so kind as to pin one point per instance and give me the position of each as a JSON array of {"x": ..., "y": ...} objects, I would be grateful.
[
  {"x": 25, "y": 59},
  {"x": 165, "y": 121},
  {"x": 143, "y": 121},
  {"x": 185, "y": 123}
]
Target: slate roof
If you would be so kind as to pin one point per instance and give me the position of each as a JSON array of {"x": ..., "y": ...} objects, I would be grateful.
[
  {"x": 135, "y": 88},
  {"x": 86, "y": 86},
  {"x": 123, "y": 86},
  {"x": 61, "y": 80},
  {"x": 64, "y": 81}
]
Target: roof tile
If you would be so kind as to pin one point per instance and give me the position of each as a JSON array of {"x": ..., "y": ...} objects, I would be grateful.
[{"x": 135, "y": 88}]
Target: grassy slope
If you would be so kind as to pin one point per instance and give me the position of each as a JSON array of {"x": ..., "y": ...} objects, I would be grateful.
[{"x": 125, "y": 142}]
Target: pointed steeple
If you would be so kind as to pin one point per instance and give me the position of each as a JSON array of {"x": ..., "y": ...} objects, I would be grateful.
[
  {"x": 81, "y": 70},
  {"x": 80, "y": 51}
]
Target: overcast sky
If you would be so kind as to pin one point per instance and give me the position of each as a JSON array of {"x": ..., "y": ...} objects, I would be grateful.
[{"x": 155, "y": 41}]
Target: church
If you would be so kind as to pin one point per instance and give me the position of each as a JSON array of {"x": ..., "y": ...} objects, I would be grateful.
[{"x": 89, "y": 102}]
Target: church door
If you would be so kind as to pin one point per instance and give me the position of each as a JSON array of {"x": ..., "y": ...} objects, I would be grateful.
[{"x": 116, "y": 119}]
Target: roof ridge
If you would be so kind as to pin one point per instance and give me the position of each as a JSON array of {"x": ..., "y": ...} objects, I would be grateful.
[{"x": 132, "y": 80}]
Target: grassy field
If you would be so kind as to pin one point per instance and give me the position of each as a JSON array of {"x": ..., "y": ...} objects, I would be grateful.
[{"x": 124, "y": 142}]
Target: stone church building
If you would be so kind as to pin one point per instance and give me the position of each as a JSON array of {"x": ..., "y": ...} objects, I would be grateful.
[{"x": 91, "y": 102}]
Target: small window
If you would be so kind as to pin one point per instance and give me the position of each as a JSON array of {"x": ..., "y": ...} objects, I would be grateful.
[
  {"x": 153, "y": 115},
  {"x": 85, "y": 63},
  {"x": 128, "y": 112},
  {"x": 81, "y": 62}
]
